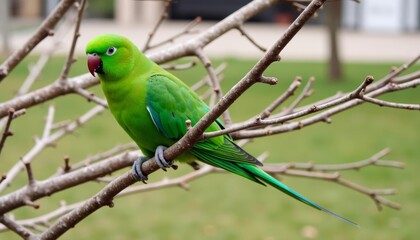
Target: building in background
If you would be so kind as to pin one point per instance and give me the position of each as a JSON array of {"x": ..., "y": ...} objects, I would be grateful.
[
  {"x": 370, "y": 15},
  {"x": 382, "y": 15}
]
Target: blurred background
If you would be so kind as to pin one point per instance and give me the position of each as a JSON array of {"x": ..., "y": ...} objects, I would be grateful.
[
  {"x": 358, "y": 31},
  {"x": 346, "y": 42}
]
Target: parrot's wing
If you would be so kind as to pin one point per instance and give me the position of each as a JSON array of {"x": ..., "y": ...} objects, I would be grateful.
[{"x": 170, "y": 103}]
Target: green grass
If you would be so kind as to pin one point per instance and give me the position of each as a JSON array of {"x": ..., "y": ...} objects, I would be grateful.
[{"x": 223, "y": 206}]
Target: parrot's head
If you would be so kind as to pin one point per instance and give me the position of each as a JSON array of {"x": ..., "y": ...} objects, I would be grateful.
[{"x": 110, "y": 56}]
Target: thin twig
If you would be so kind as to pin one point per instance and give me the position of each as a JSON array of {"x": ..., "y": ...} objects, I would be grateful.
[
  {"x": 70, "y": 57},
  {"x": 179, "y": 66},
  {"x": 214, "y": 82},
  {"x": 30, "y": 174},
  {"x": 162, "y": 18},
  {"x": 283, "y": 118},
  {"x": 16, "y": 227},
  {"x": 91, "y": 97},
  {"x": 383, "y": 103},
  {"x": 245, "y": 34},
  {"x": 187, "y": 30},
  {"x": 374, "y": 160},
  {"x": 395, "y": 72},
  {"x": 101, "y": 156},
  {"x": 209, "y": 92},
  {"x": 36, "y": 69},
  {"x": 288, "y": 93},
  {"x": 375, "y": 194},
  {"x": 6, "y": 130},
  {"x": 306, "y": 92},
  {"x": 206, "y": 79},
  {"x": 407, "y": 77}
]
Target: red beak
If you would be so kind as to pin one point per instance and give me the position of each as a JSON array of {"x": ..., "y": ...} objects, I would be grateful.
[{"x": 94, "y": 63}]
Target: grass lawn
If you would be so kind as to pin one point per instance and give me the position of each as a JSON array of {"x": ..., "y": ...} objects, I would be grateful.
[{"x": 224, "y": 206}]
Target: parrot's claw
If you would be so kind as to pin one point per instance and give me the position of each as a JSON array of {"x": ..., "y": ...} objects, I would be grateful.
[
  {"x": 137, "y": 172},
  {"x": 160, "y": 159}
]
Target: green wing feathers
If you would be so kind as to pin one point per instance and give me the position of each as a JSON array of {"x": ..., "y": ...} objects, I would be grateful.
[{"x": 170, "y": 103}]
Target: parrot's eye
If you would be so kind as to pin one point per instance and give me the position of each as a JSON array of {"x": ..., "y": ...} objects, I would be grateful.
[{"x": 111, "y": 51}]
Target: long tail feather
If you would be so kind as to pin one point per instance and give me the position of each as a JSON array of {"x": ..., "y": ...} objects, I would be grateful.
[{"x": 263, "y": 176}]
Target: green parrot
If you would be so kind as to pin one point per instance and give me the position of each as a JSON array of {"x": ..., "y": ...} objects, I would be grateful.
[{"x": 152, "y": 106}]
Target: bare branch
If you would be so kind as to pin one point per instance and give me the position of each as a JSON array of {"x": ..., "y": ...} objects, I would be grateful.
[
  {"x": 17, "y": 228},
  {"x": 315, "y": 171},
  {"x": 47, "y": 140},
  {"x": 232, "y": 21},
  {"x": 268, "y": 80},
  {"x": 206, "y": 79},
  {"x": 47, "y": 93},
  {"x": 215, "y": 83},
  {"x": 256, "y": 72},
  {"x": 306, "y": 92},
  {"x": 67, "y": 167},
  {"x": 383, "y": 103},
  {"x": 45, "y": 30},
  {"x": 289, "y": 92},
  {"x": 407, "y": 77},
  {"x": 36, "y": 69},
  {"x": 6, "y": 130},
  {"x": 91, "y": 97},
  {"x": 176, "y": 51},
  {"x": 103, "y": 198},
  {"x": 375, "y": 194},
  {"x": 188, "y": 30},
  {"x": 101, "y": 156},
  {"x": 58, "y": 183},
  {"x": 245, "y": 34},
  {"x": 70, "y": 57},
  {"x": 391, "y": 75},
  {"x": 162, "y": 18},
  {"x": 179, "y": 66},
  {"x": 29, "y": 172},
  {"x": 373, "y": 160}
]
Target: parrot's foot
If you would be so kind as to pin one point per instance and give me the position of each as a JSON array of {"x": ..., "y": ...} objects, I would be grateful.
[
  {"x": 160, "y": 161},
  {"x": 138, "y": 174}
]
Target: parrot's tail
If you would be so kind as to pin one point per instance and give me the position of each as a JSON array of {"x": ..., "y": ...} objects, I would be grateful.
[{"x": 266, "y": 178}]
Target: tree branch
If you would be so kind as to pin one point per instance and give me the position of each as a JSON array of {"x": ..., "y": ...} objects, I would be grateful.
[
  {"x": 47, "y": 140},
  {"x": 17, "y": 228},
  {"x": 307, "y": 170},
  {"x": 45, "y": 30},
  {"x": 70, "y": 57},
  {"x": 6, "y": 130}
]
